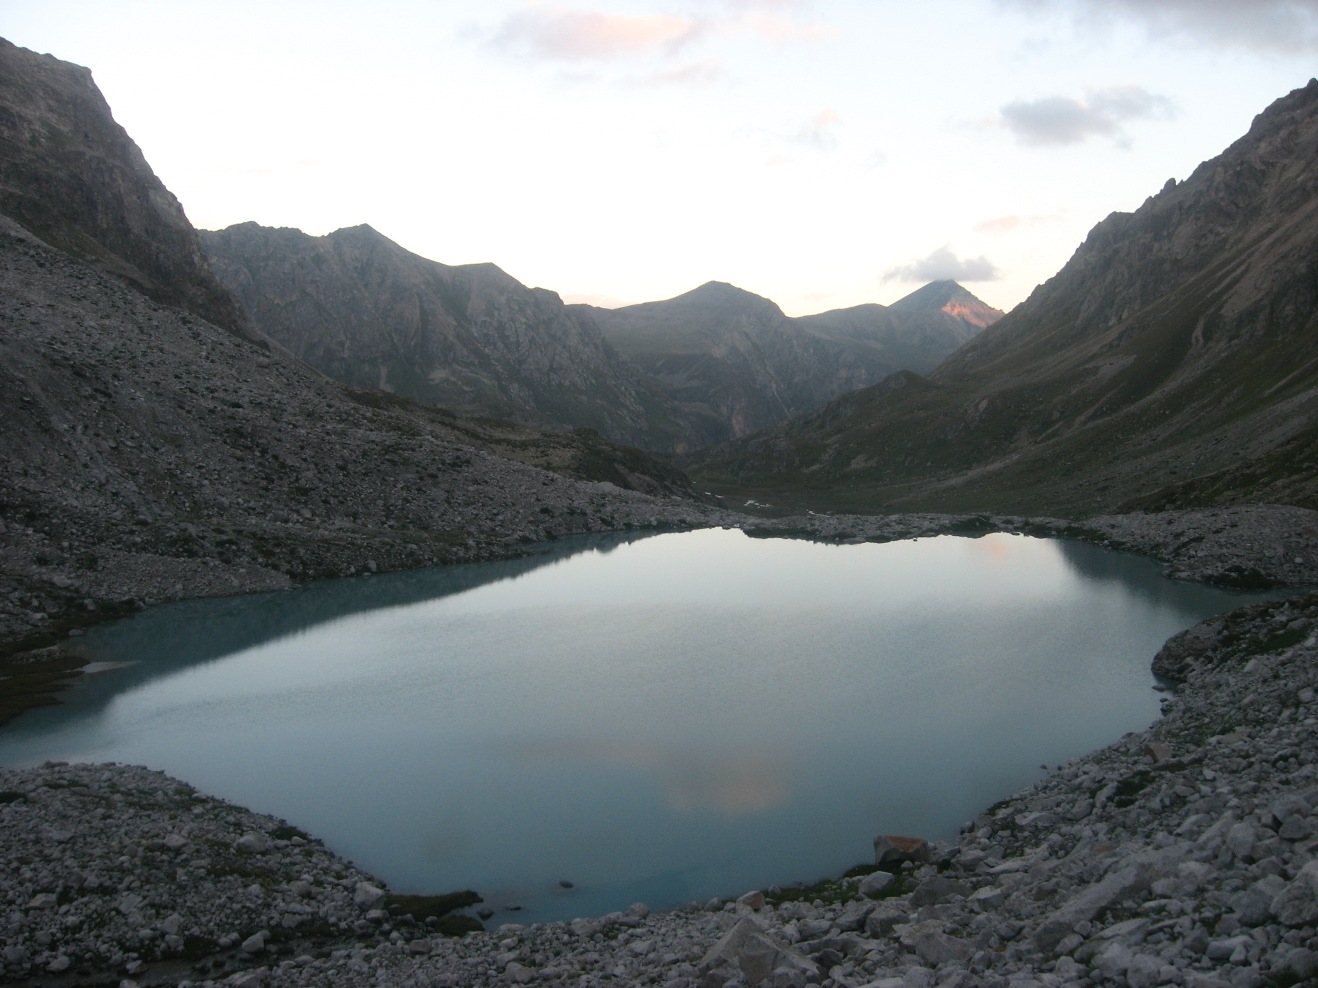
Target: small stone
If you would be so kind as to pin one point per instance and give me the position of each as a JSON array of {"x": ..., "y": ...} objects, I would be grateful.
[
  {"x": 1240, "y": 838},
  {"x": 1297, "y": 903},
  {"x": 519, "y": 973},
  {"x": 253, "y": 842},
  {"x": 1158, "y": 752},
  {"x": 367, "y": 896},
  {"x": 872, "y": 886}
]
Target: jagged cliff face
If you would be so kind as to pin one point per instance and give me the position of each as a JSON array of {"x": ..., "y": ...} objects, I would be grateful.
[
  {"x": 74, "y": 177},
  {"x": 361, "y": 309},
  {"x": 1173, "y": 362},
  {"x": 736, "y": 364}
]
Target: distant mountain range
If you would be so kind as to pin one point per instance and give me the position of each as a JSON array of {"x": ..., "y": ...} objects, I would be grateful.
[
  {"x": 672, "y": 376},
  {"x": 1173, "y": 362},
  {"x": 734, "y": 363}
]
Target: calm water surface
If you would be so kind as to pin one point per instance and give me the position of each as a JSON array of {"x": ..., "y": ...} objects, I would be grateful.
[{"x": 661, "y": 720}]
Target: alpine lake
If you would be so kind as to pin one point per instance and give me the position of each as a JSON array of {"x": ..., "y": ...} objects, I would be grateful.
[{"x": 662, "y": 719}]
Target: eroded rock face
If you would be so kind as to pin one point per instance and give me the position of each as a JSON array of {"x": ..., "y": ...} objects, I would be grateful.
[
  {"x": 361, "y": 309},
  {"x": 74, "y": 177}
]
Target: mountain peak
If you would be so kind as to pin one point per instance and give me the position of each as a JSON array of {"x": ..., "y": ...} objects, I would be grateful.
[
  {"x": 712, "y": 290},
  {"x": 73, "y": 177},
  {"x": 949, "y": 297}
]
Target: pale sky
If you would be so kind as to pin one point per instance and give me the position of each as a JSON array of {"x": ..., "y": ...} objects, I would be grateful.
[{"x": 821, "y": 153}]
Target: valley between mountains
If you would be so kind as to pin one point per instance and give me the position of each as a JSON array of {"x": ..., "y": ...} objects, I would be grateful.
[{"x": 188, "y": 414}]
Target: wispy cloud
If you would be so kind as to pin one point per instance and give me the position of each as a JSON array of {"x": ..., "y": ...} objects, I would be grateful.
[
  {"x": 998, "y": 225},
  {"x": 563, "y": 33},
  {"x": 944, "y": 265},
  {"x": 573, "y": 35},
  {"x": 820, "y": 131},
  {"x": 1264, "y": 26},
  {"x": 1060, "y": 120},
  {"x": 780, "y": 28},
  {"x": 690, "y": 74}
]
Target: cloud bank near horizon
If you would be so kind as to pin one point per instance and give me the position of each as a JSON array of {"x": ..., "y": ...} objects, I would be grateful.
[{"x": 944, "y": 265}]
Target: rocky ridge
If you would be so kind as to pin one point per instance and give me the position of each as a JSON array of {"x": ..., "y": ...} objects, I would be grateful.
[
  {"x": 74, "y": 177},
  {"x": 359, "y": 308},
  {"x": 1186, "y": 854},
  {"x": 734, "y": 362}
]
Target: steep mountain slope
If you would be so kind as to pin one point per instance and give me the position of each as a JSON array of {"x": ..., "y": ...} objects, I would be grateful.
[
  {"x": 361, "y": 309},
  {"x": 1173, "y": 362},
  {"x": 735, "y": 363},
  {"x": 74, "y": 177},
  {"x": 148, "y": 453}
]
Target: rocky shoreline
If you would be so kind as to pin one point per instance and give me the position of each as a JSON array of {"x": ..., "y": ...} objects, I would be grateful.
[
  {"x": 1181, "y": 855},
  {"x": 51, "y": 597}
]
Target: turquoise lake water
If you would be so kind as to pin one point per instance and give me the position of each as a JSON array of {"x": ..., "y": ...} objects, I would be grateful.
[{"x": 664, "y": 719}]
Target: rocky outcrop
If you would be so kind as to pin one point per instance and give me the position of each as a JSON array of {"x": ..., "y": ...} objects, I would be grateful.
[
  {"x": 74, "y": 177},
  {"x": 361, "y": 309},
  {"x": 1170, "y": 364}
]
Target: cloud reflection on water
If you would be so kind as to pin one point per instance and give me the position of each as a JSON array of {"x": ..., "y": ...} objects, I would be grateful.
[{"x": 730, "y": 783}]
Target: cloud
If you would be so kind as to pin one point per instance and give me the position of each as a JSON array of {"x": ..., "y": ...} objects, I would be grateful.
[
  {"x": 1005, "y": 224},
  {"x": 690, "y": 74},
  {"x": 1265, "y": 26},
  {"x": 558, "y": 32},
  {"x": 781, "y": 29},
  {"x": 1060, "y": 120},
  {"x": 819, "y": 132},
  {"x": 573, "y": 35},
  {"x": 944, "y": 265}
]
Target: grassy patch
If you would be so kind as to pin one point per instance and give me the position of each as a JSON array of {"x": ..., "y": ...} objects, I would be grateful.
[
  {"x": 441, "y": 908},
  {"x": 1130, "y": 787},
  {"x": 834, "y": 891},
  {"x": 287, "y": 831},
  {"x": 1279, "y": 640}
]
